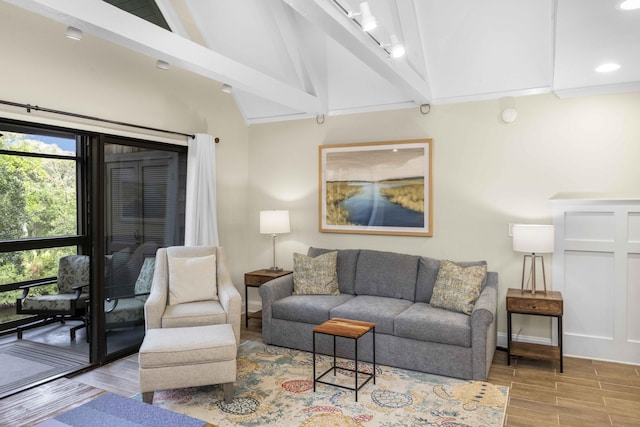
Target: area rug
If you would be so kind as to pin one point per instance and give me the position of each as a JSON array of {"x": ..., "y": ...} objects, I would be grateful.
[
  {"x": 113, "y": 410},
  {"x": 27, "y": 363},
  {"x": 275, "y": 387}
]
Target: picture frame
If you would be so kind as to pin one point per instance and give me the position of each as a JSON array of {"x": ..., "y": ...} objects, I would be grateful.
[{"x": 377, "y": 188}]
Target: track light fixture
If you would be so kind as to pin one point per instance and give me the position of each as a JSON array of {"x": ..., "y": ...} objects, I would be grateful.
[
  {"x": 369, "y": 22},
  {"x": 397, "y": 48},
  {"x": 74, "y": 33}
]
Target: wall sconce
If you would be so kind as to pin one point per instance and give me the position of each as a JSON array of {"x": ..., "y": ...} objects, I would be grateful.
[
  {"x": 533, "y": 240},
  {"x": 74, "y": 33},
  {"x": 274, "y": 223}
]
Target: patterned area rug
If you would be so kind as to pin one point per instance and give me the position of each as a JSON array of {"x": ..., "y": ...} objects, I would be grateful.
[
  {"x": 275, "y": 387},
  {"x": 26, "y": 363}
]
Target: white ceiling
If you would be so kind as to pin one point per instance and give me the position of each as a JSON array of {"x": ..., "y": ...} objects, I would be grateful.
[{"x": 289, "y": 59}]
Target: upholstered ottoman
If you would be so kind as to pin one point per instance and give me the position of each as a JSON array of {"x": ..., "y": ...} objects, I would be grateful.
[{"x": 188, "y": 357}]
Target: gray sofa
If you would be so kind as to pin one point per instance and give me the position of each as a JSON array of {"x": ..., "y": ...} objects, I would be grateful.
[{"x": 393, "y": 290}]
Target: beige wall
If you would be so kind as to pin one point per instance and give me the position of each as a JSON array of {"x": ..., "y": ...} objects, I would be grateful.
[{"x": 487, "y": 174}]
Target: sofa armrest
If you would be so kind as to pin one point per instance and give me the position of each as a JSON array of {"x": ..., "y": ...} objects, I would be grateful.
[
  {"x": 271, "y": 292},
  {"x": 230, "y": 298},
  {"x": 483, "y": 328}
]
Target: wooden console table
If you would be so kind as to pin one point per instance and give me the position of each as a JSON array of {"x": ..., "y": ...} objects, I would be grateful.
[{"x": 549, "y": 304}]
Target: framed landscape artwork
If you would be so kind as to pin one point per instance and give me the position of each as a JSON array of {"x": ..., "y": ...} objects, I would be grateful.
[{"x": 377, "y": 188}]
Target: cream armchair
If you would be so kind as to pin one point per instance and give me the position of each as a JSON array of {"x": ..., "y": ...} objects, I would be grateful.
[{"x": 166, "y": 306}]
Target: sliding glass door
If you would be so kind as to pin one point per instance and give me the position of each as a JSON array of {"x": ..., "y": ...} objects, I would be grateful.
[{"x": 144, "y": 193}]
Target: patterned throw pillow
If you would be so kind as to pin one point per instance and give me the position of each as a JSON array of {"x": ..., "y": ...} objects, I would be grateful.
[
  {"x": 315, "y": 276},
  {"x": 458, "y": 288}
]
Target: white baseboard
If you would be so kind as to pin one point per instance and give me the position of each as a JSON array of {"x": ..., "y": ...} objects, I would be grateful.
[{"x": 502, "y": 340}]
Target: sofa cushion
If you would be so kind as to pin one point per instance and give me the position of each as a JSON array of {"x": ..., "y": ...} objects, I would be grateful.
[
  {"x": 427, "y": 274},
  {"x": 386, "y": 274},
  {"x": 197, "y": 313},
  {"x": 315, "y": 276},
  {"x": 425, "y": 323},
  {"x": 346, "y": 266},
  {"x": 457, "y": 288},
  {"x": 380, "y": 310},
  {"x": 307, "y": 308}
]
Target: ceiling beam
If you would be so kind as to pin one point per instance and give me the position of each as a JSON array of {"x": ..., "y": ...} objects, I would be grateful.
[
  {"x": 110, "y": 23},
  {"x": 326, "y": 15}
]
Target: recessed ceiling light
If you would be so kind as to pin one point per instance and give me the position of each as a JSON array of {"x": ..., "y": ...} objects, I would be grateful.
[
  {"x": 74, "y": 33},
  {"x": 607, "y": 68},
  {"x": 629, "y": 4},
  {"x": 162, "y": 65}
]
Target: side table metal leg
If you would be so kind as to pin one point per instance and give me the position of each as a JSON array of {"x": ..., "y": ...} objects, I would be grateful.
[
  {"x": 334, "y": 355},
  {"x": 374, "y": 354},
  {"x": 356, "y": 369},
  {"x": 246, "y": 307},
  {"x": 560, "y": 343},
  {"x": 314, "y": 362},
  {"x": 508, "y": 338}
]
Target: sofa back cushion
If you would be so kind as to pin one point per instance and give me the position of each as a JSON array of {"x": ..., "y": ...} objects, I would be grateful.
[
  {"x": 427, "y": 274},
  {"x": 386, "y": 274},
  {"x": 346, "y": 266}
]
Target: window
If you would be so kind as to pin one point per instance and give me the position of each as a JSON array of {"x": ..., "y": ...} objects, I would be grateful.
[{"x": 40, "y": 219}]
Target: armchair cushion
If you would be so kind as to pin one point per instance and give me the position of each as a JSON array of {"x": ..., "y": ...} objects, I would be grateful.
[{"x": 192, "y": 279}]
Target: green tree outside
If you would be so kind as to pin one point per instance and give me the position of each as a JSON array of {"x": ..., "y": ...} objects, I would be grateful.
[{"x": 37, "y": 199}]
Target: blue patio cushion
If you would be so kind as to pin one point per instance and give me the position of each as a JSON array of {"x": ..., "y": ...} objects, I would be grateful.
[
  {"x": 425, "y": 323},
  {"x": 346, "y": 266},
  {"x": 380, "y": 310},
  {"x": 313, "y": 309},
  {"x": 386, "y": 274}
]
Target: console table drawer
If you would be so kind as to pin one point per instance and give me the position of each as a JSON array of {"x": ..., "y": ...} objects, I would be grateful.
[{"x": 535, "y": 306}]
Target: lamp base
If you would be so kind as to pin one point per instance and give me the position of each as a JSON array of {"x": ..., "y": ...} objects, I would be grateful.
[
  {"x": 532, "y": 273},
  {"x": 274, "y": 269}
]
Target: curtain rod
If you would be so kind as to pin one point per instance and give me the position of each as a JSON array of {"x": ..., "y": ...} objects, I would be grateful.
[{"x": 30, "y": 107}]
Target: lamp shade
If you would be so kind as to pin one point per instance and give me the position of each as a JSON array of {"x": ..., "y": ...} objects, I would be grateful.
[
  {"x": 533, "y": 238},
  {"x": 274, "y": 222}
]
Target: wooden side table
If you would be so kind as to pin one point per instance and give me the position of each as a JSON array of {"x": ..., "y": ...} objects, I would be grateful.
[
  {"x": 255, "y": 279},
  {"x": 548, "y": 303}
]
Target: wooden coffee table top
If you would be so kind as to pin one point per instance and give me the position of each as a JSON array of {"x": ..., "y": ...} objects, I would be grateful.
[{"x": 344, "y": 328}]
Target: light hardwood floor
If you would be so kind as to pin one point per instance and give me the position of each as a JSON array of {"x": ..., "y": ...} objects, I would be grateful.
[{"x": 588, "y": 393}]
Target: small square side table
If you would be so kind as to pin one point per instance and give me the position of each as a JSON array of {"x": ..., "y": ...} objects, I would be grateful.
[{"x": 345, "y": 328}]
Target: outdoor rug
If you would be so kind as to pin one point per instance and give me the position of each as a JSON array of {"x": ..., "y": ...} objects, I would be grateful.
[
  {"x": 27, "y": 363},
  {"x": 275, "y": 387}
]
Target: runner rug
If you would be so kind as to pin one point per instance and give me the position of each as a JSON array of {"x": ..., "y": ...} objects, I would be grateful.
[
  {"x": 275, "y": 387},
  {"x": 24, "y": 364}
]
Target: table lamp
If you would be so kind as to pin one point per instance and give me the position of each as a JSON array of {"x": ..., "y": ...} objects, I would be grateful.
[
  {"x": 533, "y": 239},
  {"x": 274, "y": 223}
]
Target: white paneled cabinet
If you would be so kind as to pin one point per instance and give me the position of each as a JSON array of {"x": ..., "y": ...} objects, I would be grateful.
[{"x": 596, "y": 266}]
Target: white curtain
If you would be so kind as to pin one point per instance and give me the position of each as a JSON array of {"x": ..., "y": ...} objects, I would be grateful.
[{"x": 201, "y": 222}]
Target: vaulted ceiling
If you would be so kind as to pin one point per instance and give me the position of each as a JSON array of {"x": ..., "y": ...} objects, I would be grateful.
[{"x": 287, "y": 59}]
